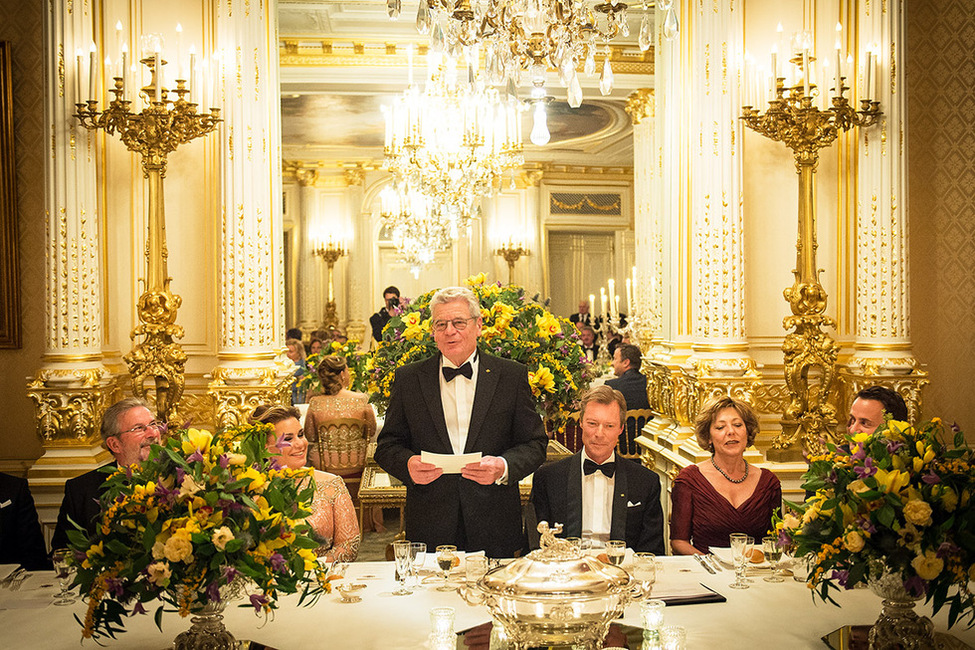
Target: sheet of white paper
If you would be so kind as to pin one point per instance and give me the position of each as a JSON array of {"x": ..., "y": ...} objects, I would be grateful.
[{"x": 450, "y": 463}]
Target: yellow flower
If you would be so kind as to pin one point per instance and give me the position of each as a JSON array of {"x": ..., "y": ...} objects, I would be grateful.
[
  {"x": 476, "y": 280},
  {"x": 918, "y": 512},
  {"x": 159, "y": 573},
  {"x": 853, "y": 541},
  {"x": 336, "y": 345},
  {"x": 790, "y": 521},
  {"x": 236, "y": 459},
  {"x": 541, "y": 380},
  {"x": 893, "y": 481},
  {"x": 179, "y": 548},
  {"x": 158, "y": 550},
  {"x": 189, "y": 487},
  {"x": 928, "y": 566},
  {"x": 949, "y": 498},
  {"x": 221, "y": 536},
  {"x": 415, "y": 326},
  {"x": 547, "y": 325},
  {"x": 861, "y": 437},
  {"x": 258, "y": 480},
  {"x": 857, "y": 486},
  {"x": 197, "y": 440}
]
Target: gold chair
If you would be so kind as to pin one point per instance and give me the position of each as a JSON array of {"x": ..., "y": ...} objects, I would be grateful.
[
  {"x": 340, "y": 447},
  {"x": 626, "y": 446}
]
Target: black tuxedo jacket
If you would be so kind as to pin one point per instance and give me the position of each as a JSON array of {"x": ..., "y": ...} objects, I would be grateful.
[
  {"x": 633, "y": 385},
  {"x": 378, "y": 321},
  {"x": 637, "y": 515},
  {"x": 21, "y": 540},
  {"x": 81, "y": 504},
  {"x": 503, "y": 423}
]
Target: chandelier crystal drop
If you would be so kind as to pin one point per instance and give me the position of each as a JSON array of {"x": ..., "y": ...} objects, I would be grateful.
[{"x": 518, "y": 35}]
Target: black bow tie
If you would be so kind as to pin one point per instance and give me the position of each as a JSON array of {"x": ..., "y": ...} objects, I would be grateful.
[
  {"x": 608, "y": 469},
  {"x": 466, "y": 370}
]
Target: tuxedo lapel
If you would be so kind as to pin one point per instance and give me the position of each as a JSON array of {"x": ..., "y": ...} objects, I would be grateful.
[
  {"x": 488, "y": 376},
  {"x": 430, "y": 389},
  {"x": 573, "y": 496},
  {"x": 617, "y": 527}
]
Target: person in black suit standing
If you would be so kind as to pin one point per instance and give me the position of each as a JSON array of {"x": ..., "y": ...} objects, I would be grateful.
[
  {"x": 462, "y": 401},
  {"x": 378, "y": 320},
  {"x": 631, "y": 382},
  {"x": 21, "y": 540},
  {"x": 128, "y": 431},
  {"x": 583, "y": 316},
  {"x": 595, "y": 493}
]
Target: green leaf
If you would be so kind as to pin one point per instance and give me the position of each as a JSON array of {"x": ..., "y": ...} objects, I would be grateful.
[
  {"x": 886, "y": 515},
  {"x": 157, "y": 617}
]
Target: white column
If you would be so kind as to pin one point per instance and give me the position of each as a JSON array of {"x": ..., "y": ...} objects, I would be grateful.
[
  {"x": 252, "y": 260},
  {"x": 310, "y": 283},
  {"x": 358, "y": 294}
]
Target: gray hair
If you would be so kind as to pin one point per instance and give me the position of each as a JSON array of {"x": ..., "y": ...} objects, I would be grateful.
[
  {"x": 114, "y": 413},
  {"x": 453, "y": 294}
]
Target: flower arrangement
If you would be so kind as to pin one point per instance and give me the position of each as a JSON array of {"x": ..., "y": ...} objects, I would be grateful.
[
  {"x": 354, "y": 359},
  {"x": 897, "y": 501},
  {"x": 514, "y": 327},
  {"x": 199, "y": 514}
]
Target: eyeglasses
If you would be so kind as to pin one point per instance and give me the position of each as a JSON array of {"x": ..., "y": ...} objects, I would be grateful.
[
  {"x": 460, "y": 324},
  {"x": 142, "y": 428}
]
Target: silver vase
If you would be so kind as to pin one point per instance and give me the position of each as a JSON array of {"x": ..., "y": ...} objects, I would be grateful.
[
  {"x": 899, "y": 627},
  {"x": 207, "y": 631}
]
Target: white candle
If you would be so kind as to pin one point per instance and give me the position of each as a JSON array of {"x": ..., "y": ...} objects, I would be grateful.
[
  {"x": 839, "y": 72},
  {"x": 629, "y": 295},
  {"x": 158, "y": 69},
  {"x": 108, "y": 67},
  {"x": 179, "y": 51},
  {"x": 192, "y": 77},
  {"x": 92, "y": 66},
  {"x": 125, "y": 57},
  {"x": 805, "y": 72},
  {"x": 867, "y": 69},
  {"x": 118, "y": 44},
  {"x": 612, "y": 304},
  {"x": 77, "y": 77},
  {"x": 592, "y": 302},
  {"x": 602, "y": 302},
  {"x": 775, "y": 63}
]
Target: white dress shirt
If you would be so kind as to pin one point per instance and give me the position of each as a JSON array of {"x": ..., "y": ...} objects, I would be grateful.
[
  {"x": 597, "y": 501},
  {"x": 458, "y": 401}
]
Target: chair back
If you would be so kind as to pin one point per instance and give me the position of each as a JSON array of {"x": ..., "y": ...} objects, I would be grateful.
[
  {"x": 341, "y": 446},
  {"x": 635, "y": 421}
]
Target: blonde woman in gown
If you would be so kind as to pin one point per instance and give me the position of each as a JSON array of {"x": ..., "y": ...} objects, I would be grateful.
[{"x": 333, "y": 519}]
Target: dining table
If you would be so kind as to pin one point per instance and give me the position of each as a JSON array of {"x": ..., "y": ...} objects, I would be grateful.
[{"x": 765, "y": 615}]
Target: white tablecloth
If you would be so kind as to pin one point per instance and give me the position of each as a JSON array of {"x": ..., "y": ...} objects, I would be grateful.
[{"x": 767, "y": 615}]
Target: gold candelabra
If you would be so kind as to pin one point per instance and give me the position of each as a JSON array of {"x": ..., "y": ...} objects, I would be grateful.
[
  {"x": 331, "y": 252},
  {"x": 792, "y": 118},
  {"x": 511, "y": 253},
  {"x": 154, "y": 132}
]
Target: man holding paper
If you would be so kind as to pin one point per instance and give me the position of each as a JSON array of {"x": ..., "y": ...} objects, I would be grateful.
[{"x": 463, "y": 401}]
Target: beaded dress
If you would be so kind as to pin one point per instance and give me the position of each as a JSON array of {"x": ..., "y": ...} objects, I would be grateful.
[
  {"x": 344, "y": 404},
  {"x": 333, "y": 519}
]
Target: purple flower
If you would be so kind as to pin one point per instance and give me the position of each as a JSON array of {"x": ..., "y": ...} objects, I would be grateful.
[
  {"x": 138, "y": 609},
  {"x": 180, "y": 473},
  {"x": 195, "y": 456},
  {"x": 916, "y": 586},
  {"x": 115, "y": 587},
  {"x": 868, "y": 469},
  {"x": 893, "y": 446},
  {"x": 930, "y": 477},
  {"x": 258, "y": 601},
  {"x": 224, "y": 461},
  {"x": 842, "y": 576},
  {"x": 277, "y": 562},
  {"x": 784, "y": 540},
  {"x": 859, "y": 454},
  {"x": 229, "y": 573},
  {"x": 946, "y": 550},
  {"x": 213, "y": 592}
]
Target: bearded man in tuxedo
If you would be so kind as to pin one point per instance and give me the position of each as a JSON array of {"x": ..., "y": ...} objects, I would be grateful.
[{"x": 463, "y": 400}]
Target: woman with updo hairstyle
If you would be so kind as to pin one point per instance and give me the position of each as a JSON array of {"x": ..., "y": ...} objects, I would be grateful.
[
  {"x": 333, "y": 519},
  {"x": 723, "y": 494},
  {"x": 337, "y": 403}
]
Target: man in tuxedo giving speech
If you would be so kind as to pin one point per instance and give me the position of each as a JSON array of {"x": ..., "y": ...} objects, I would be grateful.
[
  {"x": 462, "y": 401},
  {"x": 597, "y": 494}
]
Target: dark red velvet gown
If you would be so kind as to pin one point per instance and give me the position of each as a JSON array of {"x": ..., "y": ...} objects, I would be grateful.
[{"x": 701, "y": 515}]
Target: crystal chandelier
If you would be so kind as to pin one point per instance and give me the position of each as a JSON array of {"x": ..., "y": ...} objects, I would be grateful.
[
  {"x": 527, "y": 36},
  {"x": 415, "y": 225},
  {"x": 452, "y": 142}
]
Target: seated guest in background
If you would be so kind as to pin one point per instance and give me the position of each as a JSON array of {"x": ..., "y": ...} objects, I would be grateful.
[
  {"x": 868, "y": 409},
  {"x": 315, "y": 346},
  {"x": 462, "y": 401},
  {"x": 337, "y": 401},
  {"x": 296, "y": 352},
  {"x": 378, "y": 320},
  {"x": 21, "y": 539},
  {"x": 589, "y": 347},
  {"x": 128, "y": 431},
  {"x": 293, "y": 333},
  {"x": 722, "y": 495},
  {"x": 339, "y": 336},
  {"x": 631, "y": 382},
  {"x": 595, "y": 493},
  {"x": 583, "y": 317},
  {"x": 333, "y": 520}
]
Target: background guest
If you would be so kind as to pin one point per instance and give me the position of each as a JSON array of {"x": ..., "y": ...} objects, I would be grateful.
[
  {"x": 378, "y": 320},
  {"x": 337, "y": 401},
  {"x": 293, "y": 333},
  {"x": 315, "y": 346},
  {"x": 632, "y": 383},
  {"x": 128, "y": 430},
  {"x": 296, "y": 352},
  {"x": 333, "y": 518},
  {"x": 589, "y": 346},
  {"x": 868, "y": 409},
  {"x": 596, "y": 494},
  {"x": 720, "y": 496},
  {"x": 21, "y": 539},
  {"x": 583, "y": 317}
]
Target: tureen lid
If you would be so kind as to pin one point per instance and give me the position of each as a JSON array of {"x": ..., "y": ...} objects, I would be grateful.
[{"x": 556, "y": 569}]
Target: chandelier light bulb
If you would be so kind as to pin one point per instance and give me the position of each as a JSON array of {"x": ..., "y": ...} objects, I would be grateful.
[{"x": 540, "y": 134}]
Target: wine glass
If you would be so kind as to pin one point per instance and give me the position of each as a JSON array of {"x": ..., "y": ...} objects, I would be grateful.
[
  {"x": 445, "y": 560},
  {"x": 401, "y": 554},
  {"x": 418, "y": 555},
  {"x": 64, "y": 568},
  {"x": 615, "y": 551},
  {"x": 645, "y": 569},
  {"x": 739, "y": 555},
  {"x": 773, "y": 553}
]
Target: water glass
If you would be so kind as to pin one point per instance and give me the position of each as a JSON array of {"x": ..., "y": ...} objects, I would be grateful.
[
  {"x": 401, "y": 554},
  {"x": 739, "y": 555},
  {"x": 442, "y": 622},
  {"x": 801, "y": 567},
  {"x": 645, "y": 568},
  {"x": 770, "y": 546},
  {"x": 63, "y": 568},
  {"x": 615, "y": 551},
  {"x": 673, "y": 637},
  {"x": 418, "y": 555},
  {"x": 476, "y": 567}
]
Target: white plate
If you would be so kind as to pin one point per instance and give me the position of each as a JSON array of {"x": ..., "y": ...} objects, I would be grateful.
[{"x": 724, "y": 557}]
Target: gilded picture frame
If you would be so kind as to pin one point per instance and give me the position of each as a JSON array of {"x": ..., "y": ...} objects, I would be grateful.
[{"x": 10, "y": 330}]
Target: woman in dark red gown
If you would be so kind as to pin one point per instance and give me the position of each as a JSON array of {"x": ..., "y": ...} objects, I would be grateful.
[{"x": 724, "y": 494}]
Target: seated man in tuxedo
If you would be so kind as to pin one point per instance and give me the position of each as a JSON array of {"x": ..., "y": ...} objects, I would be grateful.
[
  {"x": 128, "y": 430},
  {"x": 463, "y": 400},
  {"x": 589, "y": 346},
  {"x": 596, "y": 494},
  {"x": 868, "y": 409},
  {"x": 21, "y": 540},
  {"x": 631, "y": 382}
]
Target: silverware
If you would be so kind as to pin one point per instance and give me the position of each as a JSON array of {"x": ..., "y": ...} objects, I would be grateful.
[
  {"x": 21, "y": 579},
  {"x": 714, "y": 562},
  {"x": 14, "y": 575},
  {"x": 700, "y": 560}
]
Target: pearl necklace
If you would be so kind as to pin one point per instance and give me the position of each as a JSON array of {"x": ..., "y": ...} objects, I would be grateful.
[{"x": 721, "y": 471}]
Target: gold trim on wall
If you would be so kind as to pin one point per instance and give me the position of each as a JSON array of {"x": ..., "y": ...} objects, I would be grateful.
[{"x": 10, "y": 316}]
